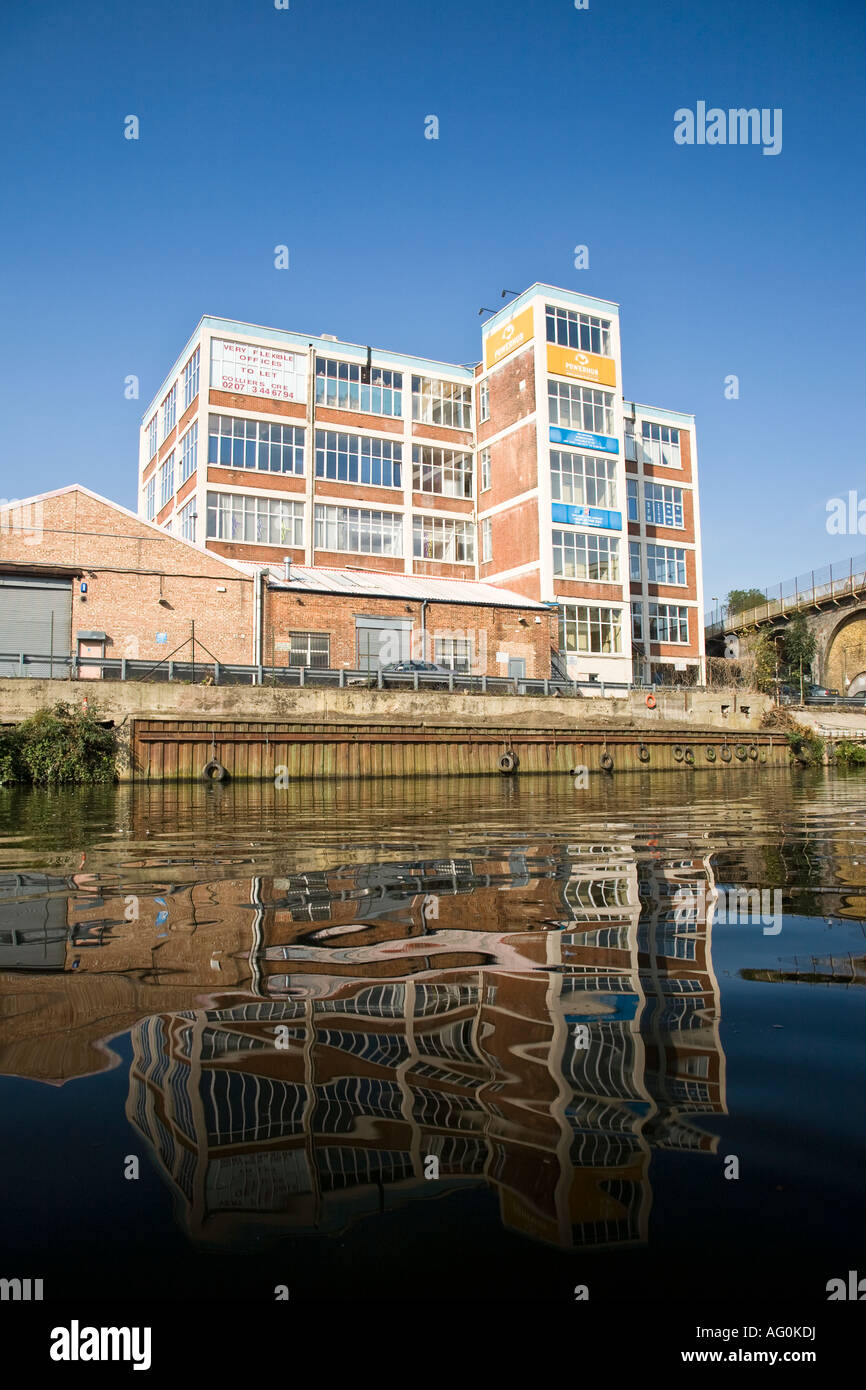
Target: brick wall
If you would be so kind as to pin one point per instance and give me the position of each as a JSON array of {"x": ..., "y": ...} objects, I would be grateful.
[
  {"x": 129, "y": 567},
  {"x": 491, "y": 630}
]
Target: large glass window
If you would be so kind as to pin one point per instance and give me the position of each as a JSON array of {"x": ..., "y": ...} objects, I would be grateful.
[
  {"x": 637, "y": 620},
  {"x": 443, "y": 538},
  {"x": 189, "y": 452},
  {"x": 441, "y": 471},
  {"x": 582, "y": 479},
  {"x": 340, "y": 385},
  {"x": 484, "y": 401},
  {"x": 663, "y": 504},
  {"x": 190, "y": 379},
  {"x": 485, "y": 470},
  {"x": 580, "y": 407},
  {"x": 486, "y": 539},
  {"x": 166, "y": 480},
  {"x": 666, "y": 564},
  {"x": 255, "y": 520},
  {"x": 356, "y": 531},
  {"x": 631, "y": 496},
  {"x": 437, "y": 402},
  {"x": 187, "y": 519},
  {"x": 587, "y": 628},
  {"x": 169, "y": 412},
  {"x": 453, "y": 652},
  {"x": 255, "y": 444},
  {"x": 660, "y": 444},
  {"x": 152, "y": 442},
  {"x": 150, "y": 498},
  {"x": 668, "y": 623},
  {"x": 575, "y": 330},
  {"x": 310, "y": 649},
  {"x": 580, "y": 556},
  {"x": 353, "y": 458},
  {"x": 634, "y": 565}
]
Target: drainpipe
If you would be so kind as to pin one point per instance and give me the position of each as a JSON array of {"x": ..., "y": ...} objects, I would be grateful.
[
  {"x": 259, "y": 589},
  {"x": 424, "y": 603}
]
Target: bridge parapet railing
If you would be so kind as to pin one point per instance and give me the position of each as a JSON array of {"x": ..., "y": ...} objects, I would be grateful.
[{"x": 803, "y": 591}]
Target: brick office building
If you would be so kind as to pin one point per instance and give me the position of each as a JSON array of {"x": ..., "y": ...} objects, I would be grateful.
[
  {"x": 81, "y": 576},
  {"x": 529, "y": 471}
]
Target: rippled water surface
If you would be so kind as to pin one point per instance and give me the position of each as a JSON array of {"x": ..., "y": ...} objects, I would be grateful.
[{"x": 465, "y": 1038}]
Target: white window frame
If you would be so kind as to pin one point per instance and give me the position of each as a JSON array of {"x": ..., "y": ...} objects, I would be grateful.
[
  {"x": 434, "y": 536},
  {"x": 658, "y": 498},
  {"x": 660, "y": 444},
  {"x": 446, "y": 404},
  {"x": 583, "y": 480},
  {"x": 169, "y": 412},
  {"x": 586, "y": 332},
  {"x": 166, "y": 481},
  {"x": 576, "y": 551},
  {"x": 486, "y": 540},
  {"x": 664, "y": 558},
  {"x": 189, "y": 452},
  {"x": 441, "y": 472},
  {"x": 600, "y": 620},
  {"x": 580, "y": 407},
  {"x": 191, "y": 378},
  {"x": 663, "y": 616},
  {"x": 187, "y": 520},
  {"x": 357, "y": 530},
  {"x": 228, "y": 512},
  {"x": 486, "y": 475}
]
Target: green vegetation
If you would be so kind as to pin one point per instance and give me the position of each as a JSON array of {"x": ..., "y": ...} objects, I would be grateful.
[
  {"x": 806, "y": 746},
  {"x": 852, "y": 754},
  {"x": 766, "y": 661},
  {"x": 740, "y": 600},
  {"x": 58, "y": 746},
  {"x": 798, "y": 649}
]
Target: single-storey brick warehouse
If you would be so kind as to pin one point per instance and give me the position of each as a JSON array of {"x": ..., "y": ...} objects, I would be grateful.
[{"x": 81, "y": 576}]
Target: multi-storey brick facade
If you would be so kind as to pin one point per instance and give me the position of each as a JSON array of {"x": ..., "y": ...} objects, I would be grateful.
[
  {"x": 263, "y": 443},
  {"x": 122, "y": 587}
]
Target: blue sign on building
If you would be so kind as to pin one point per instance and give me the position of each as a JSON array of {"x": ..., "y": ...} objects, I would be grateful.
[
  {"x": 587, "y": 516},
  {"x": 602, "y": 443}
]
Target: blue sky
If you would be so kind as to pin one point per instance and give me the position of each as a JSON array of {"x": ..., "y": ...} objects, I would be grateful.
[{"x": 306, "y": 127}]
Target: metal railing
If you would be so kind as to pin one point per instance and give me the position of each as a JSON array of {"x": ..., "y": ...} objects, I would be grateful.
[
  {"x": 92, "y": 668},
  {"x": 808, "y": 590}
]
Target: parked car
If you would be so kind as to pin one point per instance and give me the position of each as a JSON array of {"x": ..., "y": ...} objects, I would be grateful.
[
  {"x": 429, "y": 666},
  {"x": 424, "y": 668}
]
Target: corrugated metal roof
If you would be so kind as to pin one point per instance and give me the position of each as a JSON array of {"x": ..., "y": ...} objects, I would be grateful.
[{"x": 380, "y": 584}]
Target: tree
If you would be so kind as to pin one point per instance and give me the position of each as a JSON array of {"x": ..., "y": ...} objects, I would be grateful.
[
  {"x": 798, "y": 648},
  {"x": 766, "y": 661},
  {"x": 739, "y": 600}
]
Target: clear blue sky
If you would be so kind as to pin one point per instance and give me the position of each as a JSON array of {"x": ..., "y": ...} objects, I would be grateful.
[{"x": 306, "y": 127}]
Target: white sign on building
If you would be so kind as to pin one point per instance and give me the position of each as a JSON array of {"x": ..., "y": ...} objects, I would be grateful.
[{"x": 258, "y": 371}]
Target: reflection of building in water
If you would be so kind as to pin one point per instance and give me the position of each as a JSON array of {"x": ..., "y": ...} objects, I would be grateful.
[{"x": 543, "y": 1060}]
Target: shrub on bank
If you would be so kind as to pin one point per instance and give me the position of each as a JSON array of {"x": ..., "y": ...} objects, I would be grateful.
[
  {"x": 850, "y": 753},
  {"x": 58, "y": 746}
]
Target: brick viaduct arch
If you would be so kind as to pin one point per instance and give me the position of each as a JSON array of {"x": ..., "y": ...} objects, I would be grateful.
[{"x": 841, "y": 649}]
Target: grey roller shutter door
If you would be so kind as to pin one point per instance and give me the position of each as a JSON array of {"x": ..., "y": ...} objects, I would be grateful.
[{"x": 36, "y": 618}]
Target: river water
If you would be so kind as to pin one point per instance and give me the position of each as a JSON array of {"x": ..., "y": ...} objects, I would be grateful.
[{"x": 457, "y": 1038}]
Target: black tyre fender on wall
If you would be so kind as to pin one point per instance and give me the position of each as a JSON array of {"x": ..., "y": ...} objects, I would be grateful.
[
  {"x": 214, "y": 771},
  {"x": 725, "y": 754},
  {"x": 711, "y": 753},
  {"x": 509, "y": 763},
  {"x": 606, "y": 762}
]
